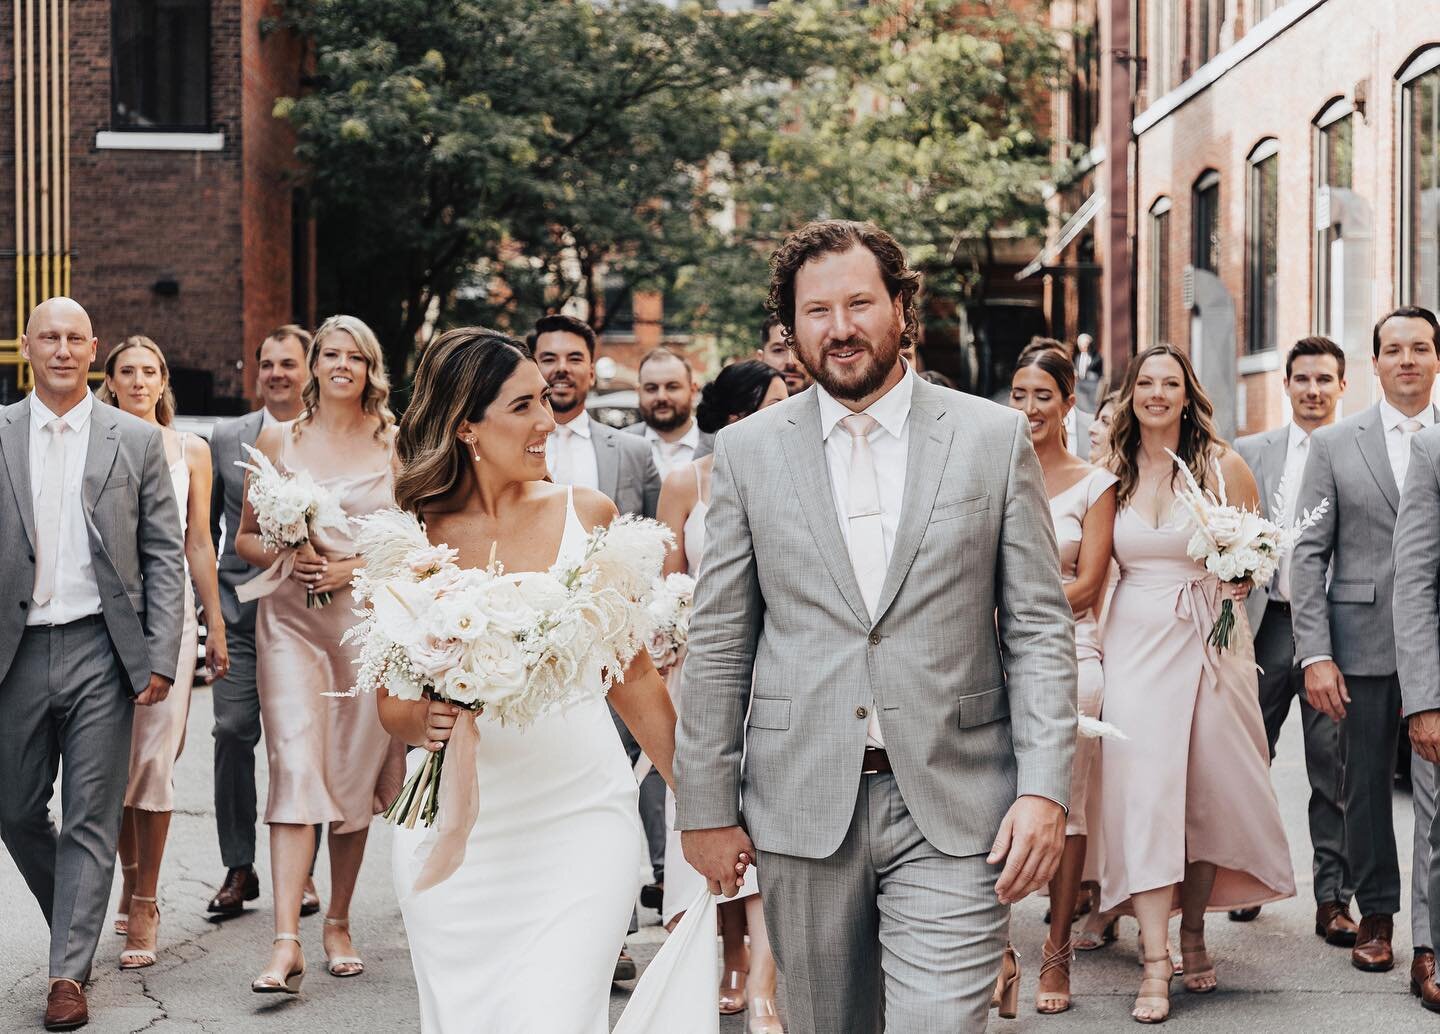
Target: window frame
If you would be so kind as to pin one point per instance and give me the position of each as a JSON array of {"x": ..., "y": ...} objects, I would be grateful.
[
  {"x": 1159, "y": 271},
  {"x": 1421, "y": 66},
  {"x": 1206, "y": 183},
  {"x": 1335, "y": 111},
  {"x": 1261, "y": 201},
  {"x": 165, "y": 129}
]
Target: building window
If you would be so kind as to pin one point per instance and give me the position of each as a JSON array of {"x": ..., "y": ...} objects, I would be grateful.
[
  {"x": 160, "y": 67},
  {"x": 1334, "y": 171},
  {"x": 1165, "y": 28},
  {"x": 1262, "y": 233},
  {"x": 1207, "y": 26},
  {"x": 1160, "y": 272},
  {"x": 1419, "y": 209},
  {"x": 1205, "y": 223}
]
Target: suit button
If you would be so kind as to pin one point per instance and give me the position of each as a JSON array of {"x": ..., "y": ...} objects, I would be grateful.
[
  {"x": 860, "y": 712},
  {"x": 24, "y": 604},
  {"x": 874, "y": 639}
]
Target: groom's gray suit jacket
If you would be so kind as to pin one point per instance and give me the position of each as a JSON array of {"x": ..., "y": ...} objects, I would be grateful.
[
  {"x": 970, "y": 659},
  {"x": 136, "y": 549},
  {"x": 1417, "y": 576}
]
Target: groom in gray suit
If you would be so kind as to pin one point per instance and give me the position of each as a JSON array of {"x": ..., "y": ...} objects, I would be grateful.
[
  {"x": 1314, "y": 382},
  {"x": 1342, "y": 581},
  {"x": 91, "y": 572},
  {"x": 1417, "y": 653},
  {"x": 880, "y": 631}
]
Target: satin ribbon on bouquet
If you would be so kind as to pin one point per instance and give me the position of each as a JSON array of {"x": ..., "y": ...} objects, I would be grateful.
[
  {"x": 676, "y": 993},
  {"x": 441, "y": 853},
  {"x": 268, "y": 580},
  {"x": 1195, "y": 603}
]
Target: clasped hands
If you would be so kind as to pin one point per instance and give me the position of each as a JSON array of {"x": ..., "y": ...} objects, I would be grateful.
[{"x": 320, "y": 575}]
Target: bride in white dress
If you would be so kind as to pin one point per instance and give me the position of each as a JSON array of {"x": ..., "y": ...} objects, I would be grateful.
[{"x": 523, "y": 937}]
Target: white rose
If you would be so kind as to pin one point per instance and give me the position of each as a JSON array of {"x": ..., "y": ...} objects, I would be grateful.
[
  {"x": 540, "y": 591},
  {"x": 497, "y": 661},
  {"x": 433, "y": 657},
  {"x": 461, "y": 686},
  {"x": 1224, "y": 527}
]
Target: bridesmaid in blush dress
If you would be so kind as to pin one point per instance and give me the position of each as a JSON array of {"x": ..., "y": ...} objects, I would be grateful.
[
  {"x": 748, "y": 979},
  {"x": 330, "y": 760},
  {"x": 137, "y": 380},
  {"x": 1189, "y": 817},
  {"x": 1082, "y": 505}
]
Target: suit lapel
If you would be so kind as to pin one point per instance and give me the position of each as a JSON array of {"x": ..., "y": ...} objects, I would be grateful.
[
  {"x": 15, "y": 445},
  {"x": 925, "y": 461},
  {"x": 100, "y": 453},
  {"x": 250, "y": 431},
  {"x": 1371, "y": 440},
  {"x": 607, "y": 463},
  {"x": 1272, "y": 468},
  {"x": 805, "y": 454}
]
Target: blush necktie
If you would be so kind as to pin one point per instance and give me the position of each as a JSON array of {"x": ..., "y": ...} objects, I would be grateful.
[
  {"x": 47, "y": 511},
  {"x": 1407, "y": 431},
  {"x": 866, "y": 539}
]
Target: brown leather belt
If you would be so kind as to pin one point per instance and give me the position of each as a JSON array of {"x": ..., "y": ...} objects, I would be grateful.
[{"x": 876, "y": 762}]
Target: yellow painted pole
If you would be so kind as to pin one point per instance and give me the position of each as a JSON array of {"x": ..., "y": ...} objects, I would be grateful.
[
  {"x": 43, "y": 89},
  {"x": 19, "y": 51},
  {"x": 65, "y": 151}
]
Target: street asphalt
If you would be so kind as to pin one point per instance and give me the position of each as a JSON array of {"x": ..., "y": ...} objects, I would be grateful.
[{"x": 1275, "y": 974}]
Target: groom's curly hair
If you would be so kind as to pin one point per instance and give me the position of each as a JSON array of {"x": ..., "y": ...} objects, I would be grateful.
[{"x": 831, "y": 237}]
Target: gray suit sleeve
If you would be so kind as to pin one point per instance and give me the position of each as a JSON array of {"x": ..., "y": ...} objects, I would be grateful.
[
  {"x": 724, "y": 629},
  {"x": 1417, "y": 582},
  {"x": 161, "y": 552},
  {"x": 217, "y": 489},
  {"x": 1037, "y": 632},
  {"x": 1310, "y": 608},
  {"x": 650, "y": 480}
]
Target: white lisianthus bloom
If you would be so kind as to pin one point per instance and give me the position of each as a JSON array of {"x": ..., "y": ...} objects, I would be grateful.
[{"x": 462, "y": 687}]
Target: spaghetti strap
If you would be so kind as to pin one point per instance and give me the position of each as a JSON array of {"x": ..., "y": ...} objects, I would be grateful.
[{"x": 699, "y": 485}]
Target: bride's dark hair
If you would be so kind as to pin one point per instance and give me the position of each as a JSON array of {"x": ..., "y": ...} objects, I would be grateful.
[{"x": 459, "y": 377}]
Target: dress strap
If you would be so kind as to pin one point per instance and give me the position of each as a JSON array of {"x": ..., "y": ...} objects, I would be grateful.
[{"x": 699, "y": 485}]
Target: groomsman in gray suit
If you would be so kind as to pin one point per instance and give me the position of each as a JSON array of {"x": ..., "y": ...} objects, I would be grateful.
[
  {"x": 1342, "y": 577},
  {"x": 91, "y": 571},
  {"x": 1314, "y": 382},
  {"x": 282, "y": 379},
  {"x": 881, "y": 634},
  {"x": 1417, "y": 652},
  {"x": 667, "y": 411},
  {"x": 585, "y": 452}
]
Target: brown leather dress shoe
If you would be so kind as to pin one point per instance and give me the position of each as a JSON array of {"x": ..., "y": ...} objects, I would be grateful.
[
  {"x": 241, "y": 885},
  {"x": 1333, "y": 922},
  {"x": 65, "y": 1009},
  {"x": 309, "y": 899},
  {"x": 1422, "y": 980},
  {"x": 1372, "y": 951}
]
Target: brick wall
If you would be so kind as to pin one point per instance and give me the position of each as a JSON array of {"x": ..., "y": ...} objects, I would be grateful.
[{"x": 1277, "y": 92}]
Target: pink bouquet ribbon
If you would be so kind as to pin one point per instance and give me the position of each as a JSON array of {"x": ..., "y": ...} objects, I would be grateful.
[
  {"x": 268, "y": 580},
  {"x": 459, "y": 804}
]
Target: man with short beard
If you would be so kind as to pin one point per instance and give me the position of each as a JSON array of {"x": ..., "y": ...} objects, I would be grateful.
[
  {"x": 667, "y": 403},
  {"x": 776, "y": 353},
  {"x": 881, "y": 633}
]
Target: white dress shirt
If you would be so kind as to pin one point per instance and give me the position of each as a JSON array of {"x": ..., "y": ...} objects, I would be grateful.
[
  {"x": 1397, "y": 442},
  {"x": 570, "y": 454},
  {"x": 77, "y": 594},
  {"x": 1297, "y": 451},
  {"x": 268, "y": 418},
  {"x": 669, "y": 455},
  {"x": 890, "y": 447}
]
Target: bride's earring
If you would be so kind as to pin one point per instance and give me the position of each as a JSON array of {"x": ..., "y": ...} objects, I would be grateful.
[{"x": 471, "y": 442}]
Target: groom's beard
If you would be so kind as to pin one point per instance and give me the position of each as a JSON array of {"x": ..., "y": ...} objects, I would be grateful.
[{"x": 860, "y": 380}]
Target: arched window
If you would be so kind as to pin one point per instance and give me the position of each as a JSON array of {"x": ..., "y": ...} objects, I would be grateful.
[
  {"x": 1334, "y": 169},
  {"x": 1205, "y": 222},
  {"x": 1418, "y": 213},
  {"x": 1262, "y": 236},
  {"x": 1160, "y": 271}
]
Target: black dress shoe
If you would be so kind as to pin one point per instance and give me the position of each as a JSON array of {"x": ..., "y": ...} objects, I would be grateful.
[
  {"x": 241, "y": 885},
  {"x": 652, "y": 895},
  {"x": 1245, "y": 915},
  {"x": 309, "y": 901}
]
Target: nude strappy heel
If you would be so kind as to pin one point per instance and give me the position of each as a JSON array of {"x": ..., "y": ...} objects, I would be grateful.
[
  {"x": 343, "y": 965},
  {"x": 1006, "y": 998},
  {"x": 1154, "y": 996},
  {"x": 1200, "y": 973},
  {"x": 140, "y": 958},
  {"x": 122, "y": 919},
  {"x": 273, "y": 983},
  {"x": 1048, "y": 1003}
]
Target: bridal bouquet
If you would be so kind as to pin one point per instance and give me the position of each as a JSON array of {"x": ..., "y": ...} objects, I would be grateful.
[
  {"x": 1235, "y": 544},
  {"x": 512, "y": 646},
  {"x": 670, "y": 603},
  {"x": 288, "y": 508}
]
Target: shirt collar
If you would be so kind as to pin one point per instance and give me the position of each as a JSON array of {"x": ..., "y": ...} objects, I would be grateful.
[
  {"x": 76, "y": 419},
  {"x": 580, "y": 425},
  {"x": 1298, "y": 437},
  {"x": 690, "y": 437},
  {"x": 890, "y": 410},
  {"x": 1393, "y": 418}
]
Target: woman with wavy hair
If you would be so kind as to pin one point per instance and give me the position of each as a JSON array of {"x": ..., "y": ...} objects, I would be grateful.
[
  {"x": 137, "y": 380},
  {"x": 524, "y": 935},
  {"x": 748, "y": 978},
  {"x": 1188, "y": 816},
  {"x": 330, "y": 760}
]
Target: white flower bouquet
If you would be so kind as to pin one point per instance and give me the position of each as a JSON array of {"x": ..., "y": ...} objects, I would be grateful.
[
  {"x": 670, "y": 604},
  {"x": 1235, "y": 544},
  {"x": 289, "y": 508},
  {"x": 512, "y": 646}
]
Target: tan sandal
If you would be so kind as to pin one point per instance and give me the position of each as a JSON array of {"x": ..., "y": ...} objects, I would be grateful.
[
  {"x": 122, "y": 919},
  {"x": 275, "y": 983},
  {"x": 1154, "y": 997},
  {"x": 1005, "y": 999},
  {"x": 343, "y": 965},
  {"x": 1199, "y": 973},
  {"x": 732, "y": 992},
  {"x": 1048, "y": 1003},
  {"x": 141, "y": 958}
]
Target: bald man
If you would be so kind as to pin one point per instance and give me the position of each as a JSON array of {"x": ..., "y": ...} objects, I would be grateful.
[{"x": 91, "y": 593}]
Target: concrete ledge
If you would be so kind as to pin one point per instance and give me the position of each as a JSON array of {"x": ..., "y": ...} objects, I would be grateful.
[{"x": 108, "y": 140}]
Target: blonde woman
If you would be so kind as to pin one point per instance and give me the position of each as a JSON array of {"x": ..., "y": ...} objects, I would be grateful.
[
  {"x": 137, "y": 380},
  {"x": 330, "y": 760}
]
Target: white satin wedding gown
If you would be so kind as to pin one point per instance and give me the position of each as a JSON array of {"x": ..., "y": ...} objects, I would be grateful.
[{"x": 523, "y": 937}]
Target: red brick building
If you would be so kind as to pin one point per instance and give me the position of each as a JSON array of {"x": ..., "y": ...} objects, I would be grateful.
[
  {"x": 1287, "y": 183},
  {"x": 149, "y": 180}
]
